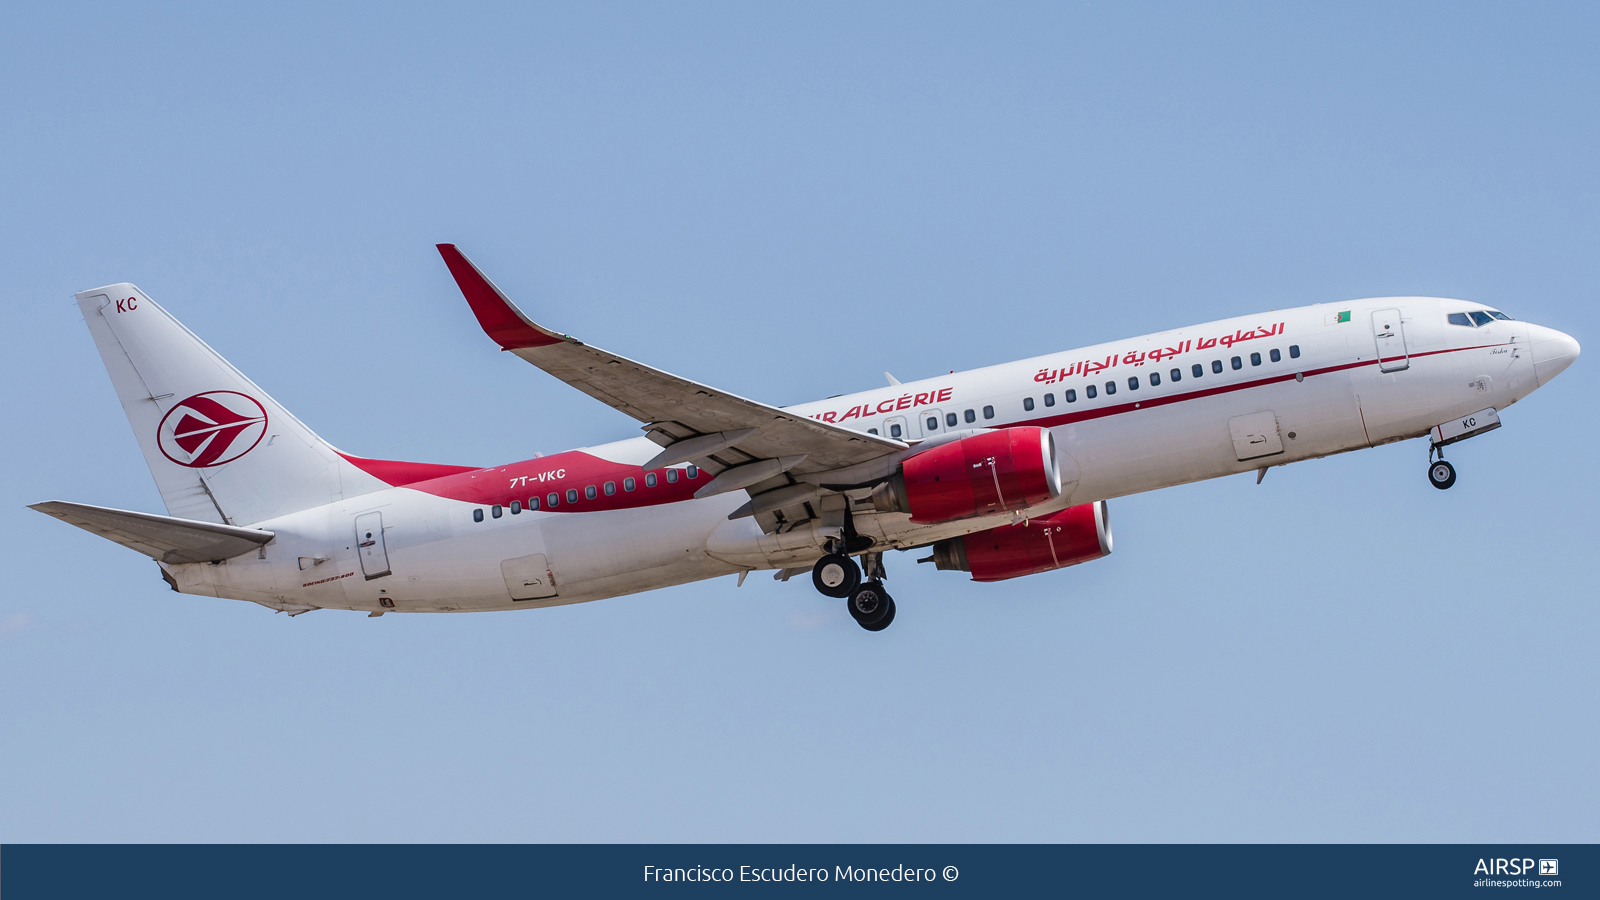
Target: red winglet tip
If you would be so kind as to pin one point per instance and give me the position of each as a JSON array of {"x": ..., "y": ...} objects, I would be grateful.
[{"x": 501, "y": 319}]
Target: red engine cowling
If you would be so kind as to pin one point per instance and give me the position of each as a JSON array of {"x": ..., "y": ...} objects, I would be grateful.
[
  {"x": 1056, "y": 541},
  {"x": 989, "y": 473}
]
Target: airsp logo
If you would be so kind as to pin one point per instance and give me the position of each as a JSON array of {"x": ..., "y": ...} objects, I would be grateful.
[
  {"x": 1516, "y": 867},
  {"x": 211, "y": 429}
]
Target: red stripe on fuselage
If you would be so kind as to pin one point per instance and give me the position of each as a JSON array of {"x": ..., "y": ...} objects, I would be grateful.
[
  {"x": 398, "y": 474},
  {"x": 557, "y": 474}
]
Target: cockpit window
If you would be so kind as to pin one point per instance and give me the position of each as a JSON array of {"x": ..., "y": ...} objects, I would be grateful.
[
  {"x": 1482, "y": 318},
  {"x": 1501, "y": 316},
  {"x": 1459, "y": 319}
]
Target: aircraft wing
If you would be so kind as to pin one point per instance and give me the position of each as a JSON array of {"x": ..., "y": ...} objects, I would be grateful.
[
  {"x": 743, "y": 442},
  {"x": 162, "y": 538}
]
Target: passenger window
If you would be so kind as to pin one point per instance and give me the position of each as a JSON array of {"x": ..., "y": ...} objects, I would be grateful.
[
  {"x": 1294, "y": 351},
  {"x": 1027, "y": 404},
  {"x": 1197, "y": 370},
  {"x": 894, "y": 430},
  {"x": 1275, "y": 355},
  {"x": 516, "y": 507},
  {"x": 988, "y": 412},
  {"x": 1216, "y": 366},
  {"x": 572, "y": 495},
  {"x": 1155, "y": 379},
  {"x": 1088, "y": 391},
  {"x": 533, "y": 503},
  {"x": 1459, "y": 319},
  {"x": 1237, "y": 363},
  {"x": 1176, "y": 374},
  {"x": 693, "y": 472},
  {"x": 1482, "y": 318},
  {"x": 1111, "y": 388},
  {"x": 477, "y": 515},
  {"x": 650, "y": 479},
  {"x": 629, "y": 484},
  {"x": 588, "y": 492},
  {"x": 672, "y": 476},
  {"x": 553, "y": 501},
  {"x": 1133, "y": 382},
  {"x": 933, "y": 423},
  {"x": 872, "y": 431},
  {"x": 1072, "y": 395},
  {"x": 495, "y": 510},
  {"x": 610, "y": 488},
  {"x": 950, "y": 420},
  {"x": 1255, "y": 360},
  {"x": 970, "y": 416},
  {"x": 1049, "y": 399}
]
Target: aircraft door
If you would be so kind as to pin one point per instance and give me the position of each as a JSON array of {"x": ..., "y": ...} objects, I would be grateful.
[
  {"x": 1390, "y": 336},
  {"x": 898, "y": 428},
  {"x": 1255, "y": 435},
  {"x": 529, "y": 577},
  {"x": 932, "y": 422},
  {"x": 369, "y": 544}
]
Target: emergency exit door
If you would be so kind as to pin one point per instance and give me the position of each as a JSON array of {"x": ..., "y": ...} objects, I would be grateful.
[
  {"x": 529, "y": 577},
  {"x": 1255, "y": 435},
  {"x": 370, "y": 547},
  {"x": 1390, "y": 336}
]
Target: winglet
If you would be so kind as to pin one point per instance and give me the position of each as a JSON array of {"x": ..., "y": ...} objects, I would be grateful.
[{"x": 500, "y": 318}]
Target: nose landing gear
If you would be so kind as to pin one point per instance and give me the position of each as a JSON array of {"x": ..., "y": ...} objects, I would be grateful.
[{"x": 1441, "y": 474}]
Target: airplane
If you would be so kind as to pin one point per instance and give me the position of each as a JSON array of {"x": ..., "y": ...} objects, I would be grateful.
[{"x": 998, "y": 472}]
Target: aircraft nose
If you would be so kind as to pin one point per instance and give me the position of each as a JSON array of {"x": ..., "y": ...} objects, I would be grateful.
[{"x": 1553, "y": 351}]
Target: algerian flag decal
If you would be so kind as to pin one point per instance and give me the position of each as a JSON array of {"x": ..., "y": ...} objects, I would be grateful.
[{"x": 1336, "y": 318}]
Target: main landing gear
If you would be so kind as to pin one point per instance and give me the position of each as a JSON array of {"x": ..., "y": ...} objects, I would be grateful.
[
  {"x": 837, "y": 575},
  {"x": 872, "y": 607},
  {"x": 1441, "y": 474}
]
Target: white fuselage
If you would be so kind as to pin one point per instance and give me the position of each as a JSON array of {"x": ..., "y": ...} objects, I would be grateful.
[{"x": 1333, "y": 395}]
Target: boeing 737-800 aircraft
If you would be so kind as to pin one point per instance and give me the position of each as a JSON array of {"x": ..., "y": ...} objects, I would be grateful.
[{"x": 1000, "y": 472}]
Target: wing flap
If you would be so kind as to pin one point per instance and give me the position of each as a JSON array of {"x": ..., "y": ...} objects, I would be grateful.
[{"x": 163, "y": 538}]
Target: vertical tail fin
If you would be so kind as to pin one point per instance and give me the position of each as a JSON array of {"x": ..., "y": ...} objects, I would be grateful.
[{"x": 220, "y": 449}]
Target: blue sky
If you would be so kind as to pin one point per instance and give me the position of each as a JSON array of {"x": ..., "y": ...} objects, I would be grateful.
[{"x": 785, "y": 202}]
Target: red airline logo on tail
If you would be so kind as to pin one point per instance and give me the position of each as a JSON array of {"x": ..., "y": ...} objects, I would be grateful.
[{"x": 212, "y": 429}]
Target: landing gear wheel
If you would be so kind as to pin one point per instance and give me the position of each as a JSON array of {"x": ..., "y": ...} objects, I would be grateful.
[
  {"x": 835, "y": 575},
  {"x": 1441, "y": 475},
  {"x": 883, "y": 623},
  {"x": 870, "y": 605}
]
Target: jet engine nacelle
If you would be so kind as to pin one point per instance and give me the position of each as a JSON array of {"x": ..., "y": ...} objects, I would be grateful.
[
  {"x": 1056, "y": 541},
  {"x": 993, "y": 472}
]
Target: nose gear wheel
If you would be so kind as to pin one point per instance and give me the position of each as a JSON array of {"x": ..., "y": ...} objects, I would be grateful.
[{"x": 1441, "y": 474}]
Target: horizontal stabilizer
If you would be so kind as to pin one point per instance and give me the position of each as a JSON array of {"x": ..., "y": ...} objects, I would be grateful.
[{"x": 162, "y": 538}]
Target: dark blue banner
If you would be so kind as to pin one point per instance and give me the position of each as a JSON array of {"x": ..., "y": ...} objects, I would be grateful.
[{"x": 673, "y": 870}]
